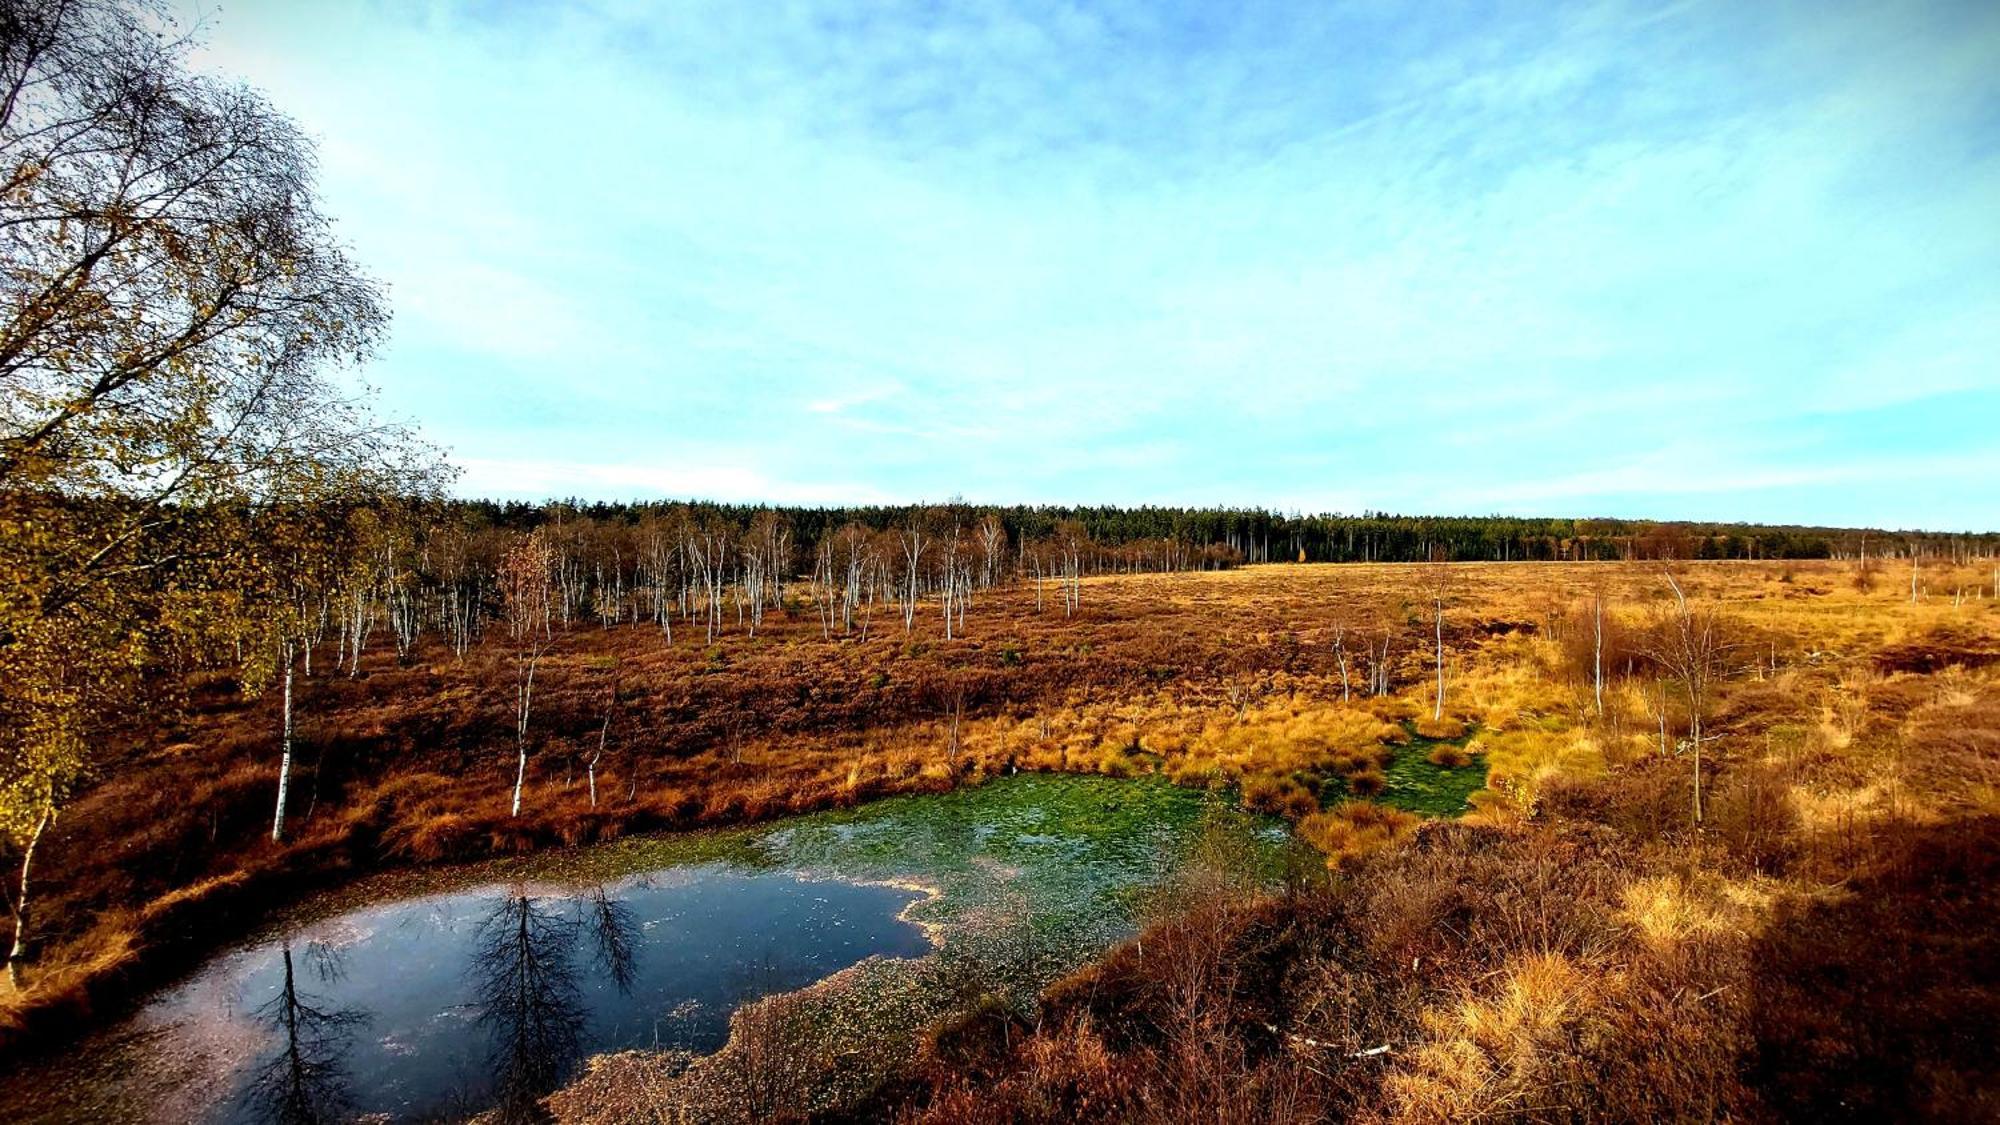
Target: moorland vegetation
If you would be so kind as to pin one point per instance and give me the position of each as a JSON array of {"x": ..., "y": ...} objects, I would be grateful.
[{"x": 1618, "y": 819}]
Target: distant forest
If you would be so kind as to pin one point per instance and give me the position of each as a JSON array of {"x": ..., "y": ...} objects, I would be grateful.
[{"x": 1175, "y": 538}]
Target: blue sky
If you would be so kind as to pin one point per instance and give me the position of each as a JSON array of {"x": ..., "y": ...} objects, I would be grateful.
[{"x": 1703, "y": 260}]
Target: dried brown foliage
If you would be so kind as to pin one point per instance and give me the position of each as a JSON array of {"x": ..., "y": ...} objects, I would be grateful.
[{"x": 1818, "y": 947}]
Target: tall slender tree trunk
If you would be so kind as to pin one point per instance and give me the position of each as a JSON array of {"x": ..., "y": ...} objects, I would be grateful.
[
  {"x": 525, "y": 700},
  {"x": 1437, "y": 712},
  {"x": 602, "y": 733},
  {"x": 19, "y": 949},
  {"x": 285, "y": 757},
  {"x": 1663, "y": 718},
  {"x": 520, "y": 777},
  {"x": 1340, "y": 650},
  {"x": 1694, "y": 723},
  {"x": 1597, "y": 653}
]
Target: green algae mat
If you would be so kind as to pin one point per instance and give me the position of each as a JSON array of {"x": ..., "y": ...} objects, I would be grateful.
[{"x": 1028, "y": 876}]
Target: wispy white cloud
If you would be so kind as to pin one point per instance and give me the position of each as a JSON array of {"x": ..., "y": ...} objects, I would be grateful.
[
  {"x": 1136, "y": 252},
  {"x": 534, "y": 480},
  {"x": 1698, "y": 469}
]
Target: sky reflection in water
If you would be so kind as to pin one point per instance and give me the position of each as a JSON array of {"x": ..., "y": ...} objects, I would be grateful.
[{"x": 455, "y": 1002}]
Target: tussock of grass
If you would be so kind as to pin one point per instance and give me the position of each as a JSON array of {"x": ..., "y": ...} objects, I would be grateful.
[
  {"x": 1449, "y": 756},
  {"x": 1352, "y": 829},
  {"x": 1444, "y": 729}
]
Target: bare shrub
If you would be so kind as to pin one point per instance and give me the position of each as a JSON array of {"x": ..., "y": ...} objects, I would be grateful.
[{"x": 1752, "y": 816}]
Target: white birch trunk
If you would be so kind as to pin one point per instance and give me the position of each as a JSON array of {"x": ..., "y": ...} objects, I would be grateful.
[
  {"x": 526, "y": 700},
  {"x": 19, "y": 948},
  {"x": 285, "y": 756},
  {"x": 1437, "y": 712},
  {"x": 1597, "y": 654}
]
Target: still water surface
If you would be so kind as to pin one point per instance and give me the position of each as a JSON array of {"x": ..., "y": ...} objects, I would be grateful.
[
  {"x": 439, "y": 995},
  {"x": 443, "y": 1004}
]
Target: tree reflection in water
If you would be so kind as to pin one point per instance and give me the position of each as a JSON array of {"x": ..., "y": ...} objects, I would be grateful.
[
  {"x": 612, "y": 926},
  {"x": 525, "y": 981},
  {"x": 305, "y": 1082}
]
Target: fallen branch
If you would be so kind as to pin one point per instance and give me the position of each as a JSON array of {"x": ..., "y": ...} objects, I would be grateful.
[{"x": 1307, "y": 1040}]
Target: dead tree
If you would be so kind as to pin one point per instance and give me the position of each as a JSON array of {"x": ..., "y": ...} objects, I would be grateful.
[
  {"x": 1691, "y": 643},
  {"x": 913, "y": 539},
  {"x": 1340, "y": 654},
  {"x": 526, "y": 587},
  {"x": 1439, "y": 585},
  {"x": 603, "y": 735}
]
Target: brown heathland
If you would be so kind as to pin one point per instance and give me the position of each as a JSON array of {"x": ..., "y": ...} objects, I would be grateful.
[{"x": 1575, "y": 948}]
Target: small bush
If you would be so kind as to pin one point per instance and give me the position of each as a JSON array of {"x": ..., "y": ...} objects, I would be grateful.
[
  {"x": 447, "y": 836},
  {"x": 1751, "y": 812}
]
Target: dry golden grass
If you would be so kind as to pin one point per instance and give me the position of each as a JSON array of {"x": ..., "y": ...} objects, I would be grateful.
[
  {"x": 1354, "y": 828},
  {"x": 1850, "y": 719},
  {"x": 1818, "y": 948}
]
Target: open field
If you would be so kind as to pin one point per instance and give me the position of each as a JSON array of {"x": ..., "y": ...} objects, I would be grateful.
[
  {"x": 1851, "y": 789},
  {"x": 1012, "y": 562}
]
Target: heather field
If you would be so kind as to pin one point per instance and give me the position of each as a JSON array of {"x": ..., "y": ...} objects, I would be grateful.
[
  {"x": 1030, "y": 561},
  {"x": 1516, "y": 895}
]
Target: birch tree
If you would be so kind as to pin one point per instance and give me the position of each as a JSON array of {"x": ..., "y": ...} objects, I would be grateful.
[
  {"x": 527, "y": 581},
  {"x": 1599, "y": 595},
  {"x": 302, "y": 558},
  {"x": 1070, "y": 540},
  {"x": 859, "y": 562},
  {"x": 172, "y": 305},
  {"x": 1690, "y": 643},
  {"x": 603, "y": 736},
  {"x": 707, "y": 545},
  {"x": 954, "y": 560},
  {"x": 1340, "y": 657},
  {"x": 992, "y": 536},
  {"x": 1381, "y": 668},
  {"x": 913, "y": 540},
  {"x": 825, "y": 586},
  {"x": 1439, "y": 581},
  {"x": 659, "y": 564},
  {"x": 459, "y": 585}
]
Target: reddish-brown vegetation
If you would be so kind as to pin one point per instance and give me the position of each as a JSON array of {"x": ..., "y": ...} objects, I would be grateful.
[
  {"x": 1579, "y": 950},
  {"x": 1819, "y": 948}
]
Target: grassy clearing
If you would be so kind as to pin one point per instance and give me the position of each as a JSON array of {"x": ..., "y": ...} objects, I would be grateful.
[{"x": 1425, "y": 781}]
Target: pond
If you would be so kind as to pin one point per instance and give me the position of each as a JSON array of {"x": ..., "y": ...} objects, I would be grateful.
[{"x": 439, "y": 995}]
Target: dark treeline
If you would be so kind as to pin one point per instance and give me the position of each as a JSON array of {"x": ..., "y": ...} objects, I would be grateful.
[{"x": 1137, "y": 538}]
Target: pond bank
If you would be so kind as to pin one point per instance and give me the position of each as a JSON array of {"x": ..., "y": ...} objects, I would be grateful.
[{"x": 1012, "y": 883}]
